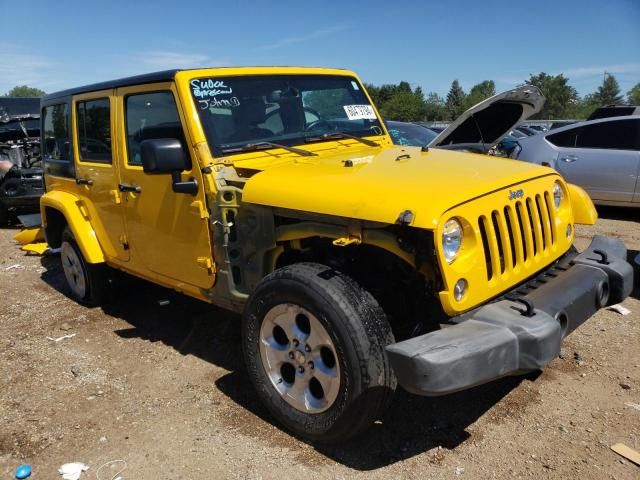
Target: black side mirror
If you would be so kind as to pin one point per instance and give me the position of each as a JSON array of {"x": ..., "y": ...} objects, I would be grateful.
[
  {"x": 165, "y": 155},
  {"x": 162, "y": 155}
]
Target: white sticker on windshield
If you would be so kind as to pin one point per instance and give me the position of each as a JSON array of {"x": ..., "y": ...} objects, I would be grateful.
[{"x": 360, "y": 112}]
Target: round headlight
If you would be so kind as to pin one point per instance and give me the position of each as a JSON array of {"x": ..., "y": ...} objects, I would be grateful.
[
  {"x": 558, "y": 195},
  {"x": 451, "y": 239}
]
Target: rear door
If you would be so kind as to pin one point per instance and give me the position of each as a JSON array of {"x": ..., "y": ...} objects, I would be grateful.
[
  {"x": 168, "y": 232},
  {"x": 96, "y": 170},
  {"x": 603, "y": 158}
]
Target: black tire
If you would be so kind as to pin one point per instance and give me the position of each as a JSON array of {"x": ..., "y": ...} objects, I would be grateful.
[
  {"x": 93, "y": 276},
  {"x": 4, "y": 216},
  {"x": 359, "y": 330}
]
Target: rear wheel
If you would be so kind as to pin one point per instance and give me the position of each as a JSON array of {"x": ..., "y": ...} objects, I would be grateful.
[
  {"x": 313, "y": 342},
  {"x": 87, "y": 282}
]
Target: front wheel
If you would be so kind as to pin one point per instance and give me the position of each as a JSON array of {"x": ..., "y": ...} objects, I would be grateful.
[
  {"x": 87, "y": 282},
  {"x": 313, "y": 343}
]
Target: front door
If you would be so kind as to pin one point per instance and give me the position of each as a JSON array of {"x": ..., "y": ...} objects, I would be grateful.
[
  {"x": 168, "y": 232},
  {"x": 604, "y": 161},
  {"x": 97, "y": 172}
]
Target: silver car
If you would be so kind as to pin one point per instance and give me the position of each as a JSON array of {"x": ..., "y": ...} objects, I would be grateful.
[{"x": 602, "y": 156}]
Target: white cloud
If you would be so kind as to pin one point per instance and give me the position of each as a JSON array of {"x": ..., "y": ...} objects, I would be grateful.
[
  {"x": 582, "y": 72},
  {"x": 167, "y": 60},
  {"x": 323, "y": 32},
  {"x": 21, "y": 68}
]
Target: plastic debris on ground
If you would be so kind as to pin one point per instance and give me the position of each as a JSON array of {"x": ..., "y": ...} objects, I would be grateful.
[
  {"x": 627, "y": 452},
  {"x": 620, "y": 309},
  {"x": 38, "y": 248},
  {"x": 635, "y": 406},
  {"x": 23, "y": 471},
  {"x": 113, "y": 465},
  {"x": 73, "y": 470},
  {"x": 14, "y": 267},
  {"x": 61, "y": 338}
]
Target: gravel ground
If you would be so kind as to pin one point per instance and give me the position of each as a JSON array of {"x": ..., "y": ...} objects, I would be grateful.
[{"x": 162, "y": 387}]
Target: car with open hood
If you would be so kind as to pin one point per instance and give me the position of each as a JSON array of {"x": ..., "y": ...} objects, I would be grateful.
[
  {"x": 480, "y": 129},
  {"x": 20, "y": 163},
  {"x": 356, "y": 264}
]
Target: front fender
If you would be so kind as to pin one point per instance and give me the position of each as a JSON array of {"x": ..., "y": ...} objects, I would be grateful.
[
  {"x": 583, "y": 210},
  {"x": 77, "y": 218}
]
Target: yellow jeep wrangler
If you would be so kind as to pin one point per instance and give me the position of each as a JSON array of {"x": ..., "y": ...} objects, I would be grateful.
[{"x": 356, "y": 264}]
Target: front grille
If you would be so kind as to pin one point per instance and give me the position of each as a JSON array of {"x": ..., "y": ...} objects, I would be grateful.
[{"x": 517, "y": 234}]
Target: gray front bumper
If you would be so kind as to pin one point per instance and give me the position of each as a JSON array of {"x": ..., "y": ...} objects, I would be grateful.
[{"x": 520, "y": 333}]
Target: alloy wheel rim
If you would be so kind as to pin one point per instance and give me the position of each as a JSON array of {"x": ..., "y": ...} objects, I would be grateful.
[
  {"x": 73, "y": 270},
  {"x": 299, "y": 358}
]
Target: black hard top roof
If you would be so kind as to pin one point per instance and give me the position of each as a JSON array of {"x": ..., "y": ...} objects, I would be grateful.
[{"x": 164, "y": 76}]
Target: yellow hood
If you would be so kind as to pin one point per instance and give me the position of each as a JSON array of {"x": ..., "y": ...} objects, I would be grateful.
[{"x": 382, "y": 183}]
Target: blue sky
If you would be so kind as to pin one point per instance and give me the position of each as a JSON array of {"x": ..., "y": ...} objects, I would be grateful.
[{"x": 61, "y": 44}]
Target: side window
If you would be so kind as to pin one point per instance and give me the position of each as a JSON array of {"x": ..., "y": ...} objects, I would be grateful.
[
  {"x": 56, "y": 145},
  {"x": 564, "y": 139},
  {"x": 94, "y": 130},
  {"x": 149, "y": 116},
  {"x": 616, "y": 135}
]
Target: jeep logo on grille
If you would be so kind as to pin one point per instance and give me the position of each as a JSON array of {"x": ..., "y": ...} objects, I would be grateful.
[{"x": 513, "y": 194}]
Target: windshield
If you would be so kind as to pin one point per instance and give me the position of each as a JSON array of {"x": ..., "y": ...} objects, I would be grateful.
[
  {"x": 284, "y": 109},
  {"x": 410, "y": 134}
]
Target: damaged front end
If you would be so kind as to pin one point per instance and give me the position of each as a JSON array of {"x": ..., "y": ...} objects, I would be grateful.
[{"x": 21, "y": 183}]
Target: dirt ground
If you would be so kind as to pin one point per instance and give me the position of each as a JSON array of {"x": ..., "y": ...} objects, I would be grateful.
[{"x": 161, "y": 386}]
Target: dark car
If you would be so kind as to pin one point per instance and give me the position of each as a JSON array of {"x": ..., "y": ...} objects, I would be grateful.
[
  {"x": 20, "y": 161},
  {"x": 561, "y": 123},
  {"x": 410, "y": 134},
  {"x": 529, "y": 132},
  {"x": 614, "y": 111}
]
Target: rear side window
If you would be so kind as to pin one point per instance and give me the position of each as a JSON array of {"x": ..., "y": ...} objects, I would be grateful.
[
  {"x": 149, "y": 116},
  {"x": 56, "y": 144},
  {"x": 94, "y": 130},
  {"x": 616, "y": 135},
  {"x": 564, "y": 139}
]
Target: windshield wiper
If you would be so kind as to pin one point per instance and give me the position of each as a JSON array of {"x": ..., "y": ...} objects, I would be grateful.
[
  {"x": 264, "y": 145},
  {"x": 337, "y": 135}
]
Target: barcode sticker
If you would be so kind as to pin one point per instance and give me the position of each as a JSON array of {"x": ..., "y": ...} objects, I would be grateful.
[{"x": 360, "y": 112}]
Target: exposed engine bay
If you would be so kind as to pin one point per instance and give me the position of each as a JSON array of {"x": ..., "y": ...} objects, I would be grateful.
[{"x": 21, "y": 182}]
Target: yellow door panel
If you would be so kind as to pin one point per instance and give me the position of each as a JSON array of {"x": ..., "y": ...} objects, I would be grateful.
[
  {"x": 94, "y": 121},
  {"x": 169, "y": 237}
]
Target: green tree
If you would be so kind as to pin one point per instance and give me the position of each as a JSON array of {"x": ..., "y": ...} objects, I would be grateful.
[
  {"x": 633, "y": 95},
  {"x": 374, "y": 93},
  {"x": 609, "y": 92},
  {"x": 24, "y": 91},
  {"x": 559, "y": 94},
  {"x": 435, "y": 107},
  {"x": 405, "y": 106},
  {"x": 455, "y": 100},
  {"x": 480, "y": 92},
  {"x": 580, "y": 108}
]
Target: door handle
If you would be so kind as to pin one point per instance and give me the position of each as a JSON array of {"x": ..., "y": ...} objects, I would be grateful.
[
  {"x": 568, "y": 158},
  {"x": 123, "y": 187},
  {"x": 84, "y": 181}
]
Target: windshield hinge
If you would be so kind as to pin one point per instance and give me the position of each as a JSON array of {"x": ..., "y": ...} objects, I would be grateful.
[
  {"x": 205, "y": 263},
  {"x": 200, "y": 209}
]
